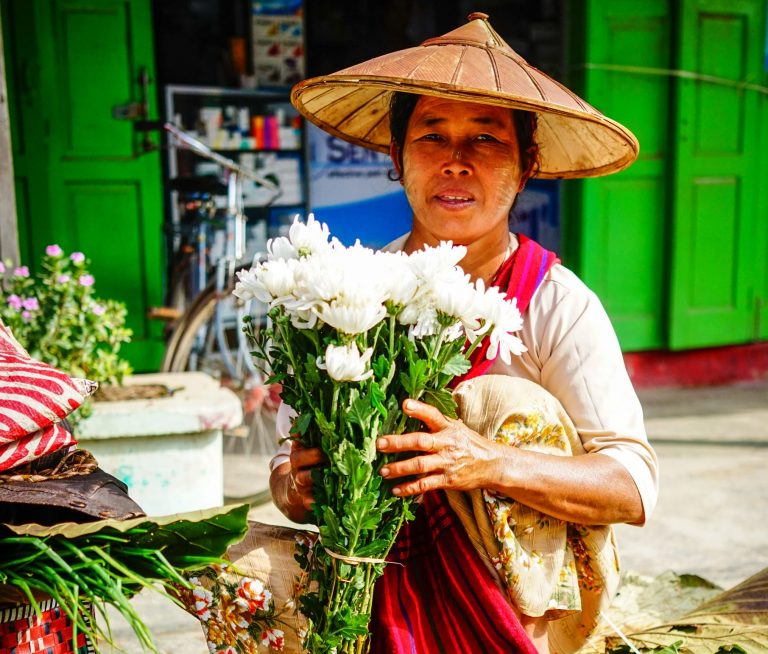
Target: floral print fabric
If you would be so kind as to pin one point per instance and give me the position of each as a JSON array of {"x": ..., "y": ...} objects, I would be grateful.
[
  {"x": 548, "y": 567},
  {"x": 249, "y": 606}
]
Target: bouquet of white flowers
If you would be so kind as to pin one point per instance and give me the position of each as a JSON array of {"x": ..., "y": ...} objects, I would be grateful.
[{"x": 353, "y": 333}]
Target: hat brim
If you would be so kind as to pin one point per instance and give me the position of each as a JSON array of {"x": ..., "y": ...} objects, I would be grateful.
[
  {"x": 472, "y": 64},
  {"x": 572, "y": 144}
]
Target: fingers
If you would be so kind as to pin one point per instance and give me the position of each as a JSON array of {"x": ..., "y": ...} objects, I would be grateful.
[
  {"x": 429, "y": 415},
  {"x": 417, "y": 465},
  {"x": 305, "y": 457},
  {"x": 422, "y": 485},
  {"x": 412, "y": 441},
  {"x": 300, "y": 477}
]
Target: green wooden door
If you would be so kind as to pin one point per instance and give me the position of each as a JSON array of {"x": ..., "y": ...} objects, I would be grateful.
[
  {"x": 717, "y": 252},
  {"x": 618, "y": 245},
  {"x": 762, "y": 211},
  {"x": 85, "y": 181}
]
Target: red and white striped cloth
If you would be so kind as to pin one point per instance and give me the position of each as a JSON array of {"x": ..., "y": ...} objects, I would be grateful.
[{"x": 34, "y": 398}]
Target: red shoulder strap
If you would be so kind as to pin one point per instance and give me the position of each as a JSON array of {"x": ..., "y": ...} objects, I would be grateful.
[{"x": 520, "y": 274}]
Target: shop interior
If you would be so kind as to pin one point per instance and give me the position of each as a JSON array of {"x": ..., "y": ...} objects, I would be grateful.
[{"x": 233, "y": 62}]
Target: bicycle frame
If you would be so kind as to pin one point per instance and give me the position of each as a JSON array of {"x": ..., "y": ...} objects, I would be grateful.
[{"x": 235, "y": 229}]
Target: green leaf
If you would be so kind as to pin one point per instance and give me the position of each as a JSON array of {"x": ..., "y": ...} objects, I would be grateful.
[
  {"x": 416, "y": 376},
  {"x": 311, "y": 374},
  {"x": 331, "y": 529},
  {"x": 301, "y": 424},
  {"x": 374, "y": 549},
  {"x": 381, "y": 367},
  {"x": 378, "y": 397},
  {"x": 360, "y": 413},
  {"x": 361, "y": 514},
  {"x": 442, "y": 399},
  {"x": 456, "y": 365}
]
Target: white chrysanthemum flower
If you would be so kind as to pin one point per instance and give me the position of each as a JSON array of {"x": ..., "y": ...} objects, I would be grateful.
[
  {"x": 434, "y": 261},
  {"x": 351, "y": 319},
  {"x": 426, "y": 324},
  {"x": 496, "y": 310},
  {"x": 455, "y": 296},
  {"x": 401, "y": 281},
  {"x": 249, "y": 286},
  {"x": 310, "y": 237},
  {"x": 366, "y": 276},
  {"x": 303, "y": 318},
  {"x": 455, "y": 332},
  {"x": 280, "y": 248},
  {"x": 345, "y": 363},
  {"x": 319, "y": 278},
  {"x": 267, "y": 282}
]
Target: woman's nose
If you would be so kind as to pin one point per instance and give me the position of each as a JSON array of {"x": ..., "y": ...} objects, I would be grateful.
[{"x": 456, "y": 164}]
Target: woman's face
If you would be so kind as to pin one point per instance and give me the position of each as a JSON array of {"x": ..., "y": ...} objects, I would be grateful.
[{"x": 461, "y": 169}]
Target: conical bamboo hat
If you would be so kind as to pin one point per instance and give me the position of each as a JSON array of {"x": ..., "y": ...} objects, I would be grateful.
[{"x": 471, "y": 63}]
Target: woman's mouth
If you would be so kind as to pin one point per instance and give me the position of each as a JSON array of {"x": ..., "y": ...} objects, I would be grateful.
[{"x": 454, "y": 200}]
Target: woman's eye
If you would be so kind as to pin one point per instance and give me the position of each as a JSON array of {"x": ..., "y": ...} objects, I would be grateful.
[
  {"x": 430, "y": 137},
  {"x": 486, "y": 137}
]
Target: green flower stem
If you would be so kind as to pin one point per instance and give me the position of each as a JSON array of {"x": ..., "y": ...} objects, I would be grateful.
[
  {"x": 335, "y": 402},
  {"x": 475, "y": 343}
]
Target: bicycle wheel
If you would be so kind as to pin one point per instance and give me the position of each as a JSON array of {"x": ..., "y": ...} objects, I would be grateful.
[
  {"x": 181, "y": 329},
  {"x": 198, "y": 348}
]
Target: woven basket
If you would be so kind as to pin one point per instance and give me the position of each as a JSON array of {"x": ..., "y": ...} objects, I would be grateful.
[{"x": 22, "y": 631}]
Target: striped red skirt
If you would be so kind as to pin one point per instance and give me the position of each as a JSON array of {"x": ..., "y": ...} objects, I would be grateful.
[{"x": 441, "y": 598}]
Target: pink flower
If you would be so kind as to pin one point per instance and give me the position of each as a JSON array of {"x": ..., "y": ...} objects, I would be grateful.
[
  {"x": 14, "y": 301},
  {"x": 63, "y": 279},
  {"x": 54, "y": 251},
  {"x": 31, "y": 303},
  {"x": 77, "y": 257},
  {"x": 2, "y": 268},
  {"x": 273, "y": 638},
  {"x": 86, "y": 280},
  {"x": 26, "y": 315},
  {"x": 98, "y": 309},
  {"x": 21, "y": 271}
]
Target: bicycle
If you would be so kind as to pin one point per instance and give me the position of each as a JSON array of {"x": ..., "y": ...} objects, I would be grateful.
[{"x": 207, "y": 335}]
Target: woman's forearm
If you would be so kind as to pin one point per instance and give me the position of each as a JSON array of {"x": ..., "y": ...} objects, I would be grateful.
[{"x": 588, "y": 489}]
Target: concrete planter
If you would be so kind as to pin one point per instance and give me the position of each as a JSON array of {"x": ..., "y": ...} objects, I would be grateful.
[{"x": 167, "y": 450}]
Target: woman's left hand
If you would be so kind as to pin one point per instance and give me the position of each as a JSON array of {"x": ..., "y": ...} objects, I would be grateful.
[{"x": 451, "y": 455}]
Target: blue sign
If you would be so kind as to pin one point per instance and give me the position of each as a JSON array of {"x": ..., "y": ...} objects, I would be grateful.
[{"x": 350, "y": 191}]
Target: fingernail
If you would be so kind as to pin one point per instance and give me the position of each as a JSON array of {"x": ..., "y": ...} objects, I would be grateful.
[
  {"x": 408, "y": 405},
  {"x": 381, "y": 443},
  {"x": 384, "y": 472},
  {"x": 396, "y": 491}
]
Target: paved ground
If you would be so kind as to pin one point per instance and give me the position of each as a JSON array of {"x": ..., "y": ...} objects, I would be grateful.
[{"x": 710, "y": 520}]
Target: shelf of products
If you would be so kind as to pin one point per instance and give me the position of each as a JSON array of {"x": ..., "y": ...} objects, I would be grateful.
[{"x": 259, "y": 130}]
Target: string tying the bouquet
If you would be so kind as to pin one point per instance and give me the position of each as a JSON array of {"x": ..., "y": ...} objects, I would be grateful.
[{"x": 355, "y": 560}]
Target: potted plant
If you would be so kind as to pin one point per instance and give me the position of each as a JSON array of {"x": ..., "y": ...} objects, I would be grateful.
[{"x": 57, "y": 316}]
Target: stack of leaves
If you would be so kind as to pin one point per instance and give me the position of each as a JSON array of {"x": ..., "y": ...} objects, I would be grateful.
[
  {"x": 684, "y": 614},
  {"x": 89, "y": 566},
  {"x": 735, "y": 621}
]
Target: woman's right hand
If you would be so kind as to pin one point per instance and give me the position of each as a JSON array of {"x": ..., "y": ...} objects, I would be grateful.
[{"x": 291, "y": 483}]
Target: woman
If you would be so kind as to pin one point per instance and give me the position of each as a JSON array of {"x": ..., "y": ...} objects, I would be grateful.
[{"x": 463, "y": 147}]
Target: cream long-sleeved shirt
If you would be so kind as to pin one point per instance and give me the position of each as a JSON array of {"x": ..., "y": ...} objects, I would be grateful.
[{"x": 572, "y": 352}]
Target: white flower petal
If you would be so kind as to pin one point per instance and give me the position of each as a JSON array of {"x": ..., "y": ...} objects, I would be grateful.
[{"x": 345, "y": 363}]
